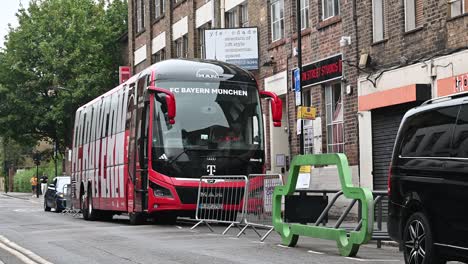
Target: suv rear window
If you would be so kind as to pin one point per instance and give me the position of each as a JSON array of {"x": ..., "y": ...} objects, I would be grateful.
[{"x": 429, "y": 134}]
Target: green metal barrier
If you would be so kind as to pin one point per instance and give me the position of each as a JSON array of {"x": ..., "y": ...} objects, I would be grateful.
[{"x": 347, "y": 246}]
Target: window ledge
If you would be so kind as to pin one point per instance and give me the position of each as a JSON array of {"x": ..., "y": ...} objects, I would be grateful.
[
  {"x": 277, "y": 43},
  {"x": 414, "y": 30},
  {"x": 137, "y": 34},
  {"x": 328, "y": 22},
  {"x": 304, "y": 32},
  {"x": 456, "y": 17},
  {"x": 156, "y": 20},
  {"x": 178, "y": 4},
  {"x": 379, "y": 42}
]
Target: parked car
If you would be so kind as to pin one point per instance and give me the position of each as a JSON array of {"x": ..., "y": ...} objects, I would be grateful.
[
  {"x": 428, "y": 182},
  {"x": 55, "y": 195}
]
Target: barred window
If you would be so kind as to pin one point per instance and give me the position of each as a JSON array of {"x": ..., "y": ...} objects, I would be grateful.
[
  {"x": 334, "y": 112},
  {"x": 232, "y": 18},
  {"x": 159, "y": 56},
  {"x": 181, "y": 47}
]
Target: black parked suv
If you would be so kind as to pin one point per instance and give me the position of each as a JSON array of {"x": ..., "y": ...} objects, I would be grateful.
[{"x": 428, "y": 182}]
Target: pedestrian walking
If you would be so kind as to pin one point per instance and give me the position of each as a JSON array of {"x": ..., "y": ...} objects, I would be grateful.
[
  {"x": 44, "y": 180},
  {"x": 33, "y": 182}
]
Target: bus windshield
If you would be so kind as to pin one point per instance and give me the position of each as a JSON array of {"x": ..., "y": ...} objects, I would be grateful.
[{"x": 213, "y": 119}]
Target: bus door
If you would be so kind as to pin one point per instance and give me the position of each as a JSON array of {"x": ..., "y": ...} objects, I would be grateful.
[{"x": 141, "y": 147}]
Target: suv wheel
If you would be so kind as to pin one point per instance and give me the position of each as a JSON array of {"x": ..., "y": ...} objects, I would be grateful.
[
  {"x": 418, "y": 243},
  {"x": 46, "y": 208}
]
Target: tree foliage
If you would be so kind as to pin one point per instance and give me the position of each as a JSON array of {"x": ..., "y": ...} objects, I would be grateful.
[{"x": 68, "y": 45}]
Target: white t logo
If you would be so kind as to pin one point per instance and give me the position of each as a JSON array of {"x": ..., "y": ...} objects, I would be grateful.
[{"x": 210, "y": 169}]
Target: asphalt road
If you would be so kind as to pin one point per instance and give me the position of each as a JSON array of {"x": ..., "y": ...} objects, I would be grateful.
[{"x": 61, "y": 238}]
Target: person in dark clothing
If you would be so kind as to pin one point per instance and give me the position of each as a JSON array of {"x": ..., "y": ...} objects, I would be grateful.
[{"x": 44, "y": 180}]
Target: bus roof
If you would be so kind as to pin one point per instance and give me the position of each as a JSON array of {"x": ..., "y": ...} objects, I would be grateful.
[{"x": 186, "y": 70}]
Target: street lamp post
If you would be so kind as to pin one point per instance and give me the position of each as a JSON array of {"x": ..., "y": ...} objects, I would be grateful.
[
  {"x": 37, "y": 161},
  {"x": 299, "y": 67}
]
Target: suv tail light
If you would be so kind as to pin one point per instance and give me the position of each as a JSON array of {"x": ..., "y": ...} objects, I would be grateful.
[{"x": 389, "y": 180}]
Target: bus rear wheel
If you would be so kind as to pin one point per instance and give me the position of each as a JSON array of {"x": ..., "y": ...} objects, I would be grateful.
[
  {"x": 136, "y": 218},
  {"x": 87, "y": 208}
]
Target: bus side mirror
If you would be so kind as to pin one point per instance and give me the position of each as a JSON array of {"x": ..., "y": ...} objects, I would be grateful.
[
  {"x": 276, "y": 106},
  {"x": 170, "y": 102}
]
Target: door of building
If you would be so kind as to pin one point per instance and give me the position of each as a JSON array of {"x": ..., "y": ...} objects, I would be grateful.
[{"x": 385, "y": 124}]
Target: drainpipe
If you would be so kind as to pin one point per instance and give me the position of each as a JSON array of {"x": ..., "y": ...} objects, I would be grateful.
[{"x": 223, "y": 8}]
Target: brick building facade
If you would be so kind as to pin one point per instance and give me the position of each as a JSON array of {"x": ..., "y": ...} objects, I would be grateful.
[{"x": 394, "y": 35}]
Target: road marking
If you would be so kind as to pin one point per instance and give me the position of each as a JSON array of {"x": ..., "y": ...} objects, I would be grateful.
[
  {"x": 373, "y": 260},
  {"x": 33, "y": 258},
  {"x": 315, "y": 252},
  {"x": 258, "y": 242},
  {"x": 179, "y": 227},
  {"x": 232, "y": 237},
  {"x": 282, "y": 246}
]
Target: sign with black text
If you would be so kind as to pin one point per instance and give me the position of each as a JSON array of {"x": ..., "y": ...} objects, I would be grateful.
[{"x": 238, "y": 46}]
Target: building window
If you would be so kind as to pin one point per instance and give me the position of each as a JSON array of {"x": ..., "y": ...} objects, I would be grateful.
[
  {"x": 201, "y": 39},
  {"x": 413, "y": 14},
  {"x": 334, "y": 112},
  {"x": 458, "y": 7},
  {"x": 181, "y": 47},
  {"x": 378, "y": 19},
  {"x": 140, "y": 15},
  {"x": 277, "y": 19},
  {"x": 159, "y": 7},
  {"x": 330, "y": 8},
  {"x": 232, "y": 18},
  {"x": 159, "y": 56},
  {"x": 304, "y": 14},
  {"x": 244, "y": 15}
]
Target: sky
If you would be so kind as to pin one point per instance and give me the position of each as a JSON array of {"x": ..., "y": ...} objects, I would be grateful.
[{"x": 7, "y": 15}]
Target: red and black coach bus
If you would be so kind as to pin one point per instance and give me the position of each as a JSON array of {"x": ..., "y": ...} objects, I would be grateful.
[{"x": 142, "y": 147}]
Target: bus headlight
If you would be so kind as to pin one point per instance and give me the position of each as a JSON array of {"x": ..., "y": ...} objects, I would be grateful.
[{"x": 160, "y": 191}]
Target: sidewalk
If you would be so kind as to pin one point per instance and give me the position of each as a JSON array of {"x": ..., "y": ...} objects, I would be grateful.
[{"x": 25, "y": 196}]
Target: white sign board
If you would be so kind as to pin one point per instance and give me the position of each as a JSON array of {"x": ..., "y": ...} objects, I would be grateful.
[
  {"x": 269, "y": 187},
  {"x": 238, "y": 46}
]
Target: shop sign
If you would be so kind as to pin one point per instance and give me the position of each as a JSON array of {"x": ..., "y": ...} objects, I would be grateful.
[
  {"x": 307, "y": 113},
  {"x": 452, "y": 85},
  {"x": 322, "y": 71}
]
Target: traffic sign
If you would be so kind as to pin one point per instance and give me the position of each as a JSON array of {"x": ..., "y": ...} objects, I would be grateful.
[{"x": 297, "y": 87}]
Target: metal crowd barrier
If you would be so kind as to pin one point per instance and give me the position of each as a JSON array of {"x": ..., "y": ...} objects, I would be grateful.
[
  {"x": 67, "y": 195},
  {"x": 221, "y": 200},
  {"x": 258, "y": 203}
]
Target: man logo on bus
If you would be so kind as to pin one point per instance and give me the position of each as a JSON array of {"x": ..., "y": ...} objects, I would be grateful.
[
  {"x": 207, "y": 73},
  {"x": 210, "y": 169}
]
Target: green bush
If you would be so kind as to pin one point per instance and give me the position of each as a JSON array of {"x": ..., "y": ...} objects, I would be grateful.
[{"x": 22, "y": 178}]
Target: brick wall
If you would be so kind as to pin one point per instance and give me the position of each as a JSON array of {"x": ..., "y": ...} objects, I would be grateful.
[{"x": 437, "y": 32}]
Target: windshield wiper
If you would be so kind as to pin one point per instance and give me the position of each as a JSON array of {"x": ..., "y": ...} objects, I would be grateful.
[{"x": 178, "y": 155}]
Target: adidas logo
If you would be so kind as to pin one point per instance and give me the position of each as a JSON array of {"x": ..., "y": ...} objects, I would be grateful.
[{"x": 163, "y": 157}]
